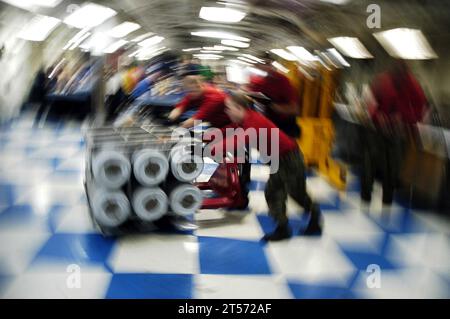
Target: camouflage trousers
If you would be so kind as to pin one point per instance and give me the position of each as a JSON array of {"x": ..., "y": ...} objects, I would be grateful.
[{"x": 289, "y": 180}]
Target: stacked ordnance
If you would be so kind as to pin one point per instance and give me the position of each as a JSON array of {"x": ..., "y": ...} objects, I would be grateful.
[{"x": 140, "y": 174}]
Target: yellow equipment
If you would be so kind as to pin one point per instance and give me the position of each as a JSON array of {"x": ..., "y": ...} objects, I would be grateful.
[{"x": 316, "y": 87}]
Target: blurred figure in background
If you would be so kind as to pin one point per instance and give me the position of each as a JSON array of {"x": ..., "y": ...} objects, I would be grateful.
[
  {"x": 399, "y": 103},
  {"x": 189, "y": 66},
  {"x": 283, "y": 107}
]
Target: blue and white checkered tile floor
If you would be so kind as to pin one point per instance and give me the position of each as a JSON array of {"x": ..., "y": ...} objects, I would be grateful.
[{"x": 45, "y": 228}]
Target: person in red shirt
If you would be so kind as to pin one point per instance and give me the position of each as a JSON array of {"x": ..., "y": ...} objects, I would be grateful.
[
  {"x": 210, "y": 104},
  {"x": 399, "y": 98},
  {"x": 399, "y": 103},
  {"x": 284, "y": 107},
  {"x": 208, "y": 99},
  {"x": 290, "y": 177}
]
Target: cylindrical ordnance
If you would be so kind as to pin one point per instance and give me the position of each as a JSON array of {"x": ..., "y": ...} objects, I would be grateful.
[
  {"x": 110, "y": 208},
  {"x": 150, "y": 167},
  {"x": 150, "y": 204},
  {"x": 185, "y": 165},
  {"x": 111, "y": 169},
  {"x": 185, "y": 199}
]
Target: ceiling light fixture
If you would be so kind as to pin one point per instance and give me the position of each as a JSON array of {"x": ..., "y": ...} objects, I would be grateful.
[
  {"x": 235, "y": 43},
  {"x": 143, "y": 37},
  {"x": 301, "y": 53},
  {"x": 284, "y": 54},
  {"x": 89, "y": 15},
  {"x": 28, "y": 4},
  {"x": 257, "y": 71},
  {"x": 123, "y": 29},
  {"x": 80, "y": 40},
  {"x": 252, "y": 57},
  {"x": 208, "y": 56},
  {"x": 225, "y": 48},
  {"x": 219, "y": 35},
  {"x": 191, "y": 49},
  {"x": 404, "y": 43},
  {"x": 151, "y": 41},
  {"x": 239, "y": 62},
  {"x": 115, "y": 46},
  {"x": 338, "y": 57},
  {"x": 351, "y": 47},
  {"x": 280, "y": 67},
  {"x": 216, "y": 14},
  {"x": 246, "y": 60},
  {"x": 39, "y": 28},
  {"x": 210, "y": 51}
]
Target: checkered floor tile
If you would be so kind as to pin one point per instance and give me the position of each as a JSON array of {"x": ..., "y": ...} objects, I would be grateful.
[{"x": 51, "y": 249}]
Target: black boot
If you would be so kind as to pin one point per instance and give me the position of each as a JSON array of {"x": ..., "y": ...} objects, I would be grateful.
[
  {"x": 315, "y": 225},
  {"x": 280, "y": 233}
]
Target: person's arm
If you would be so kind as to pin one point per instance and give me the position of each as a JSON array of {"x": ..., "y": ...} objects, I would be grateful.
[
  {"x": 188, "y": 123},
  {"x": 179, "y": 109},
  {"x": 286, "y": 108},
  {"x": 206, "y": 111}
]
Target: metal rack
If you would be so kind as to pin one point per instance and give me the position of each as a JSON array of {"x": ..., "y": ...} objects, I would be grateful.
[{"x": 127, "y": 140}]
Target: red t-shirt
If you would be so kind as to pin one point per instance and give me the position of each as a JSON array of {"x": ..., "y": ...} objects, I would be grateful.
[
  {"x": 405, "y": 98},
  {"x": 278, "y": 88},
  {"x": 211, "y": 106},
  {"x": 255, "y": 120},
  {"x": 258, "y": 121}
]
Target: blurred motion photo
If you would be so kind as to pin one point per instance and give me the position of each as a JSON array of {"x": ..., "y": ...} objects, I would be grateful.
[{"x": 224, "y": 154}]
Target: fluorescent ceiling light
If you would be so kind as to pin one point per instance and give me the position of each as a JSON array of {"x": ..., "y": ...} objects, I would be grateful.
[
  {"x": 89, "y": 15},
  {"x": 136, "y": 52},
  {"x": 409, "y": 44},
  {"x": 246, "y": 60},
  {"x": 280, "y": 67},
  {"x": 338, "y": 57},
  {"x": 284, "y": 54},
  {"x": 257, "y": 71},
  {"x": 191, "y": 49},
  {"x": 210, "y": 51},
  {"x": 28, "y": 4},
  {"x": 46, "y": 3},
  {"x": 96, "y": 43},
  {"x": 351, "y": 47},
  {"x": 79, "y": 41},
  {"x": 143, "y": 37},
  {"x": 123, "y": 29},
  {"x": 38, "y": 28},
  {"x": 239, "y": 62},
  {"x": 151, "y": 41},
  {"x": 219, "y": 35},
  {"x": 208, "y": 56},
  {"x": 328, "y": 58},
  {"x": 56, "y": 68},
  {"x": 115, "y": 46},
  {"x": 221, "y": 14},
  {"x": 236, "y": 74},
  {"x": 251, "y": 57},
  {"x": 235, "y": 43},
  {"x": 336, "y": 1},
  {"x": 211, "y": 48},
  {"x": 224, "y": 48},
  {"x": 301, "y": 53},
  {"x": 148, "y": 53}
]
